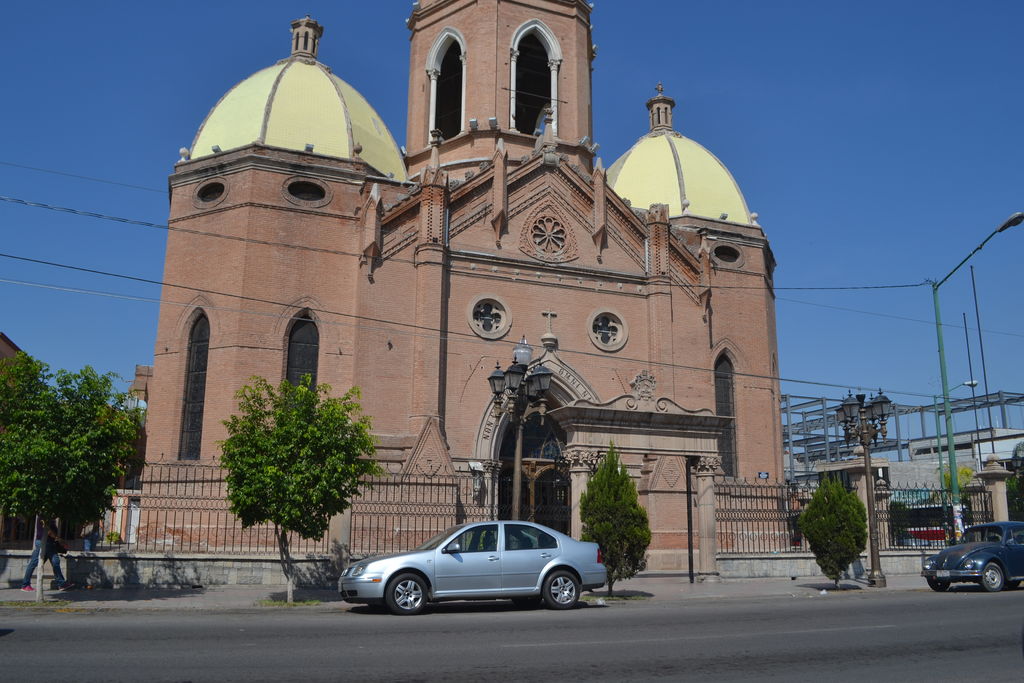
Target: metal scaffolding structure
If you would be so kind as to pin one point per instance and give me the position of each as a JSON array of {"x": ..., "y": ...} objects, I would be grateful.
[{"x": 811, "y": 433}]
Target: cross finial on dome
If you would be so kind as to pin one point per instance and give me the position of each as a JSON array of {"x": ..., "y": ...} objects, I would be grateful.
[
  {"x": 660, "y": 106},
  {"x": 306, "y": 34}
]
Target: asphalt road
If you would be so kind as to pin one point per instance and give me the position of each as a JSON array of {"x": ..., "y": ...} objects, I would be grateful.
[{"x": 908, "y": 636}]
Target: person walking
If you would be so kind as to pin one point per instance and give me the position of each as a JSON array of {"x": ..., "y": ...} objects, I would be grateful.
[{"x": 46, "y": 531}]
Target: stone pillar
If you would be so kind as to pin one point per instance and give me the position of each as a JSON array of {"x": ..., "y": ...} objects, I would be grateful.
[
  {"x": 706, "y": 468},
  {"x": 553, "y": 65},
  {"x": 513, "y": 57},
  {"x": 433, "y": 75},
  {"x": 492, "y": 473},
  {"x": 462, "y": 110},
  {"x": 994, "y": 478},
  {"x": 582, "y": 463}
]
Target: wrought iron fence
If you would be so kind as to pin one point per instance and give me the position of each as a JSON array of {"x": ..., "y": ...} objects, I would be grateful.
[
  {"x": 763, "y": 517},
  {"x": 921, "y": 515},
  {"x": 183, "y": 507},
  {"x": 399, "y": 512},
  {"x": 760, "y": 517}
]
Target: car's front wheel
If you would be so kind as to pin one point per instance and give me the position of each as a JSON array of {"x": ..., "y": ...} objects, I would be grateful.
[
  {"x": 937, "y": 585},
  {"x": 406, "y": 594},
  {"x": 992, "y": 578},
  {"x": 561, "y": 590}
]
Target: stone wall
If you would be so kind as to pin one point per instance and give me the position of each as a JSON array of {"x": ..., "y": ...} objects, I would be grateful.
[
  {"x": 776, "y": 565},
  {"x": 156, "y": 570}
]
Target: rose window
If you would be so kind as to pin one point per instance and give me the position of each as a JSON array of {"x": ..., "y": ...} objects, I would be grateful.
[{"x": 548, "y": 236}]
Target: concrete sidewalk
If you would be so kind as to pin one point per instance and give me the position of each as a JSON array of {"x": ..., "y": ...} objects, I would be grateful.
[{"x": 651, "y": 587}]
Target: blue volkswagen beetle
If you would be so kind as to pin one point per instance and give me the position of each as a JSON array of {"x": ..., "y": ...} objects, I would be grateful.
[{"x": 991, "y": 555}]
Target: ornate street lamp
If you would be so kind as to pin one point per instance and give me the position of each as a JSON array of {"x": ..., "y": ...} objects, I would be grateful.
[
  {"x": 864, "y": 423},
  {"x": 520, "y": 394}
]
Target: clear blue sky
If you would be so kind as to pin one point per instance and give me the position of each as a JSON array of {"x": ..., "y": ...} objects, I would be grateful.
[{"x": 880, "y": 142}]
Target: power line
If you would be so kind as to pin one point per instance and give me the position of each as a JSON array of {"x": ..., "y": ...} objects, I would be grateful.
[
  {"x": 82, "y": 177},
  {"x": 337, "y": 252},
  {"x": 894, "y": 317},
  {"x": 394, "y": 326}
]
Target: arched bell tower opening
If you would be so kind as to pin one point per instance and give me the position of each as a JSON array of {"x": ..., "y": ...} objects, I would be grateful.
[
  {"x": 448, "y": 101},
  {"x": 533, "y": 85}
]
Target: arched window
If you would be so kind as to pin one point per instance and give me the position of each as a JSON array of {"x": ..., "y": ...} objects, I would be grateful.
[
  {"x": 303, "y": 350},
  {"x": 533, "y": 85},
  {"x": 725, "y": 406},
  {"x": 195, "y": 390},
  {"x": 448, "y": 102}
]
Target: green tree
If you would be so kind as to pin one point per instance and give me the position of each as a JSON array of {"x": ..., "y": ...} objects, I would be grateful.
[
  {"x": 835, "y": 526},
  {"x": 64, "y": 440},
  {"x": 295, "y": 457},
  {"x": 613, "y": 518},
  {"x": 964, "y": 476}
]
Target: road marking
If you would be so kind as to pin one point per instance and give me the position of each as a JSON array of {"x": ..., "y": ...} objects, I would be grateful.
[{"x": 707, "y": 637}]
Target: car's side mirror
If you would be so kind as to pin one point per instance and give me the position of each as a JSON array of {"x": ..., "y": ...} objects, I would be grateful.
[{"x": 452, "y": 548}]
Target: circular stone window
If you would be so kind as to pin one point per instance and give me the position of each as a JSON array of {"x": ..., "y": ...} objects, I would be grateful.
[
  {"x": 489, "y": 317},
  {"x": 727, "y": 255},
  {"x": 607, "y": 331},
  {"x": 306, "y": 192},
  {"x": 210, "y": 193}
]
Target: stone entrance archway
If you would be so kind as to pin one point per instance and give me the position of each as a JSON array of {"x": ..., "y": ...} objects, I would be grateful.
[{"x": 546, "y": 491}]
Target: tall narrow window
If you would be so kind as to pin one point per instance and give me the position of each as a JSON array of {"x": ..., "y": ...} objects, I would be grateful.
[
  {"x": 195, "y": 390},
  {"x": 533, "y": 85},
  {"x": 303, "y": 350},
  {"x": 725, "y": 406},
  {"x": 448, "y": 103}
]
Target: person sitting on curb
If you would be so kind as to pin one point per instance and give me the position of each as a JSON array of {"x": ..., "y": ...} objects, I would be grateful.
[{"x": 54, "y": 543}]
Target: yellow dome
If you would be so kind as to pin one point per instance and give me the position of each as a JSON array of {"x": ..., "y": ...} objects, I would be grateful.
[
  {"x": 296, "y": 103},
  {"x": 664, "y": 167},
  {"x": 667, "y": 168}
]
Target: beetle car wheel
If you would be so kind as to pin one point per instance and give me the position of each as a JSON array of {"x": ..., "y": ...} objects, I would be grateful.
[
  {"x": 561, "y": 590},
  {"x": 936, "y": 585},
  {"x": 406, "y": 594},
  {"x": 992, "y": 578}
]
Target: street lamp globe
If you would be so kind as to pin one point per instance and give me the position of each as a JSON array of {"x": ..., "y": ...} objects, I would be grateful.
[
  {"x": 847, "y": 410},
  {"x": 522, "y": 353}
]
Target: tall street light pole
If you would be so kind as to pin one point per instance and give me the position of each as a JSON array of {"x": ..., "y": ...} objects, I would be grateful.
[
  {"x": 1013, "y": 220},
  {"x": 520, "y": 394},
  {"x": 865, "y": 423}
]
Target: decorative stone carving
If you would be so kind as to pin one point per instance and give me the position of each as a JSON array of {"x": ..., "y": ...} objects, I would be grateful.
[
  {"x": 709, "y": 464},
  {"x": 582, "y": 458},
  {"x": 643, "y": 385}
]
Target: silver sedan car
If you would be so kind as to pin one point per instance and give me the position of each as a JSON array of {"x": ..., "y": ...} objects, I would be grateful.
[{"x": 526, "y": 562}]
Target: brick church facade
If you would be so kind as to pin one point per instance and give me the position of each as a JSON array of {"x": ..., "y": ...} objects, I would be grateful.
[{"x": 304, "y": 240}]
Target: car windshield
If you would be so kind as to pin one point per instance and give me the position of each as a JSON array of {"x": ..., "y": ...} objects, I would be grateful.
[
  {"x": 983, "y": 534},
  {"x": 436, "y": 540}
]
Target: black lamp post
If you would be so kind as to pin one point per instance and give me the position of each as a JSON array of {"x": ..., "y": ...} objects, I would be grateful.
[
  {"x": 520, "y": 394},
  {"x": 864, "y": 422}
]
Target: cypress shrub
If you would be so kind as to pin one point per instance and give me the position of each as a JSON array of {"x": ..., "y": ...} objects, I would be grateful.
[
  {"x": 613, "y": 518},
  {"x": 835, "y": 526}
]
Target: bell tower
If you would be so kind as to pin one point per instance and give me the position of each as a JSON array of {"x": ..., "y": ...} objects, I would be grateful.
[{"x": 484, "y": 70}]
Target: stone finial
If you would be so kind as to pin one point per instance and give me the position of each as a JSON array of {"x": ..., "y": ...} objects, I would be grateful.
[
  {"x": 660, "y": 107},
  {"x": 306, "y": 34}
]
